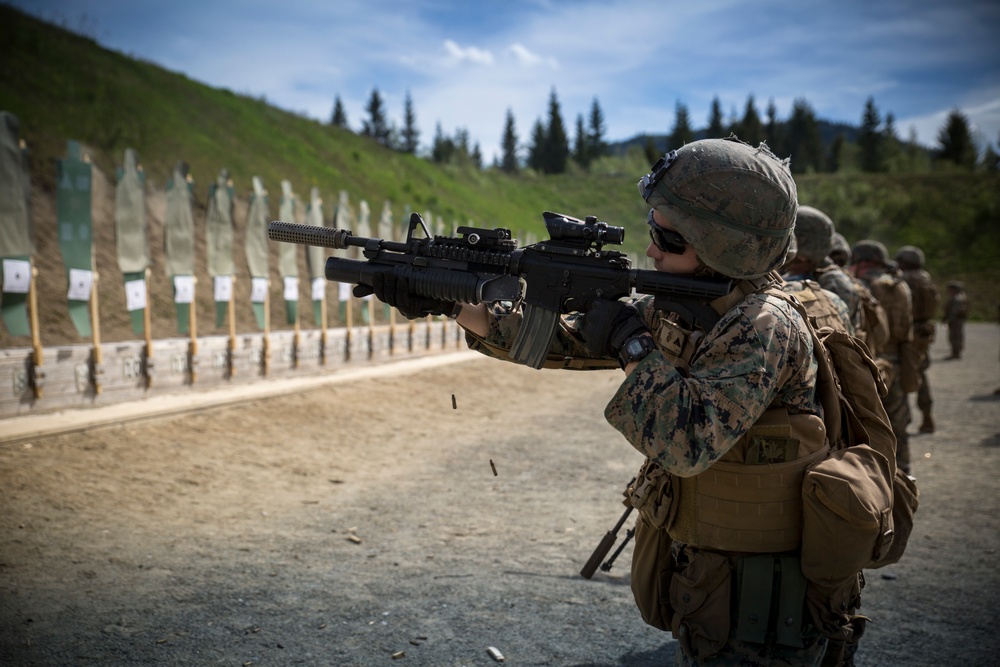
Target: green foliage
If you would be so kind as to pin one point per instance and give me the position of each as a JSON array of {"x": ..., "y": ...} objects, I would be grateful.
[
  {"x": 63, "y": 86},
  {"x": 954, "y": 218},
  {"x": 870, "y": 139},
  {"x": 803, "y": 141},
  {"x": 509, "y": 163},
  {"x": 955, "y": 141},
  {"x": 716, "y": 123},
  {"x": 682, "y": 132},
  {"x": 339, "y": 117}
]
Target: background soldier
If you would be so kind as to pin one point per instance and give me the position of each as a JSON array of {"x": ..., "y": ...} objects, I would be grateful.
[
  {"x": 926, "y": 299},
  {"x": 871, "y": 264},
  {"x": 840, "y": 253},
  {"x": 811, "y": 263},
  {"x": 956, "y": 309}
]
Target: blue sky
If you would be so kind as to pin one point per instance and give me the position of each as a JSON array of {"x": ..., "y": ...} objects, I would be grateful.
[{"x": 466, "y": 63}]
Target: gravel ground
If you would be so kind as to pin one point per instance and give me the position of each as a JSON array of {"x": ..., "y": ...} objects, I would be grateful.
[{"x": 363, "y": 524}]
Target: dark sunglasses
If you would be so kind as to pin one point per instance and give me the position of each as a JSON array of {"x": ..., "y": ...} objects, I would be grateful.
[{"x": 667, "y": 240}]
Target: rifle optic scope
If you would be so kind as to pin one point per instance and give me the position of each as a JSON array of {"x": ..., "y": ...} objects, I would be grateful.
[{"x": 592, "y": 230}]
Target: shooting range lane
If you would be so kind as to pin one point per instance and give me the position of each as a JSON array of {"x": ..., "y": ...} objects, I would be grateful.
[
  {"x": 348, "y": 523},
  {"x": 29, "y": 427}
]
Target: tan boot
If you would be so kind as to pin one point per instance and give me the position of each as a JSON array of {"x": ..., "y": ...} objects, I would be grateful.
[{"x": 927, "y": 426}]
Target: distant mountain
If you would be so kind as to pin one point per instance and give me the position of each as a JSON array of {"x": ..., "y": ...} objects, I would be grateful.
[{"x": 828, "y": 131}]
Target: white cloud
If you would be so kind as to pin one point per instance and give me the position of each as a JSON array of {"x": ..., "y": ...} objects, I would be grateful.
[
  {"x": 470, "y": 54},
  {"x": 465, "y": 68},
  {"x": 525, "y": 57}
]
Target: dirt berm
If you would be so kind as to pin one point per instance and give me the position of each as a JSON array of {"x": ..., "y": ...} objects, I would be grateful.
[{"x": 363, "y": 524}]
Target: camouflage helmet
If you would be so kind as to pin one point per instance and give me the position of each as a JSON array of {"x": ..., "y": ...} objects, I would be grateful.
[
  {"x": 871, "y": 251},
  {"x": 733, "y": 203},
  {"x": 813, "y": 234},
  {"x": 910, "y": 257},
  {"x": 840, "y": 250}
]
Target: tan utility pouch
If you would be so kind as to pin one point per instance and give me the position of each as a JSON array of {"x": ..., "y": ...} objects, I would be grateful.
[
  {"x": 701, "y": 597},
  {"x": 652, "y": 570},
  {"x": 652, "y": 557},
  {"x": 846, "y": 514},
  {"x": 905, "y": 498},
  {"x": 886, "y": 371}
]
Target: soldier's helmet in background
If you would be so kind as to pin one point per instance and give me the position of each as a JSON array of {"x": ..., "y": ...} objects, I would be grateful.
[
  {"x": 871, "y": 251},
  {"x": 735, "y": 204},
  {"x": 840, "y": 252},
  {"x": 910, "y": 257},
  {"x": 813, "y": 234}
]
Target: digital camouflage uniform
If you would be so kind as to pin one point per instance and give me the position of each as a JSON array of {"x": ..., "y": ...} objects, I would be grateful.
[
  {"x": 926, "y": 300},
  {"x": 758, "y": 355},
  {"x": 893, "y": 294},
  {"x": 833, "y": 278}
]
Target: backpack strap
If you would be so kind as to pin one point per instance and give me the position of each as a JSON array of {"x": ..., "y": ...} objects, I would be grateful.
[{"x": 827, "y": 388}]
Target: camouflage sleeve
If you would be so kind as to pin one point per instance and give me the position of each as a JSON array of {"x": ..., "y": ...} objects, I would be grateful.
[
  {"x": 758, "y": 353},
  {"x": 840, "y": 284}
]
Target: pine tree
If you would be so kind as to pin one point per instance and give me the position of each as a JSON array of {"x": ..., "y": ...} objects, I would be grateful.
[
  {"x": 955, "y": 141},
  {"x": 376, "y": 126},
  {"x": 581, "y": 147},
  {"x": 536, "y": 150},
  {"x": 596, "y": 131},
  {"x": 556, "y": 149},
  {"x": 772, "y": 130},
  {"x": 870, "y": 140},
  {"x": 835, "y": 159},
  {"x": 508, "y": 144},
  {"x": 339, "y": 117},
  {"x": 991, "y": 160},
  {"x": 411, "y": 134},
  {"x": 443, "y": 148},
  {"x": 891, "y": 153},
  {"x": 462, "y": 150},
  {"x": 716, "y": 124},
  {"x": 682, "y": 133},
  {"x": 750, "y": 129},
  {"x": 804, "y": 142},
  {"x": 476, "y": 158}
]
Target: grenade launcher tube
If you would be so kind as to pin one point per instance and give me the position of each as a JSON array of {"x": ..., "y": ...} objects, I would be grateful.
[{"x": 445, "y": 284}]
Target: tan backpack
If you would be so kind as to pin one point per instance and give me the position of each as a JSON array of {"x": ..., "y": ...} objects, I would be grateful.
[
  {"x": 857, "y": 506},
  {"x": 872, "y": 322}
]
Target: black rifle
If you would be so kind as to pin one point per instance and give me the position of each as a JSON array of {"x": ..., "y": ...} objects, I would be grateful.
[{"x": 487, "y": 266}]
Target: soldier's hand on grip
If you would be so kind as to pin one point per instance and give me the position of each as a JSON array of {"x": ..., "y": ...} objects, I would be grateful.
[
  {"x": 395, "y": 291},
  {"x": 606, "y": 325}
]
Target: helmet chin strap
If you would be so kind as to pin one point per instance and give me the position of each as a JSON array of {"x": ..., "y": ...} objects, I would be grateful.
[{"x": 704, "y": 271}]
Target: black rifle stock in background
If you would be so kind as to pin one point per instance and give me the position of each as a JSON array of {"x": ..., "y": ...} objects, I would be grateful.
[{"x": 487, "y": 266}]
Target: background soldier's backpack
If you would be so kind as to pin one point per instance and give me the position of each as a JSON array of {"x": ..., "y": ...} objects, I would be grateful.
[
  {"x": 857, "y": 506},
  {"x": 873, "y": 323}
]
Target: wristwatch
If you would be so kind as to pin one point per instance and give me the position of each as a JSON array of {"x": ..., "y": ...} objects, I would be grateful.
[{"x": 635, "y": 349}]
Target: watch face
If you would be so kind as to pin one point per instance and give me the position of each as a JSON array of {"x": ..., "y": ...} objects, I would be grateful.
[{"x": 634, "y": 347}]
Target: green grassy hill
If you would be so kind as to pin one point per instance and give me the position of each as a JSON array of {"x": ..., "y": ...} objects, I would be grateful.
[{"x": 63, "y": 86}]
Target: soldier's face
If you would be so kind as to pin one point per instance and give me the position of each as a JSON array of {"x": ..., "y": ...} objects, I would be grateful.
[{"x": 685, "y": 263}]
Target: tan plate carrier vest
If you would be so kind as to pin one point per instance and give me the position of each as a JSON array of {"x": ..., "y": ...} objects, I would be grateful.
[{"x": 750, "y": 500}]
